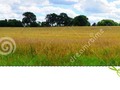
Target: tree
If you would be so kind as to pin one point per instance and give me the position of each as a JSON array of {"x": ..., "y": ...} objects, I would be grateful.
[
  {"x": 107, "y": 22},
  {"x": 45, "y": 24},
  {"x": 81, "y": 21},
  {"x": 3, "y": 23},
  {"x": 14, "y": 23},
  {"x": 10, "y": 23},
  {"x": 51, "y": 19},
  {"x": 35, "y": 24},
  {"x": 58, "y": 20},
  {"x": 64, "y": 20},
  {"x": 29, "y": 18},
  {"x": 94, "y": 24}
]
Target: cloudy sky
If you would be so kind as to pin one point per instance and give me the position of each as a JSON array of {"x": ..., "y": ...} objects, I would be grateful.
[{"x": 94, "y": 9}]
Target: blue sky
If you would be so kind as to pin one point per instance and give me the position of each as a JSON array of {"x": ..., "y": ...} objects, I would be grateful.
[{"x": 95, "y": 10}]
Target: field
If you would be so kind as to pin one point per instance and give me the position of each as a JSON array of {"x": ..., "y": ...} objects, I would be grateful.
[{"x": 58, "y": 46}]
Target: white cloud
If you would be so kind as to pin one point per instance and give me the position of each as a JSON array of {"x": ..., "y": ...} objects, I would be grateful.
[
  {"x": 15, "y": 8},
  {"x": 94, "y": 9},
  {"x": 94, "y": 6},
  {"x": 99, "y": 9},
  {"x": 46, "y": 10}
]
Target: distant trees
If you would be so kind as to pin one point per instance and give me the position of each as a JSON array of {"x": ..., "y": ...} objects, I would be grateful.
[
  {"x": 14, "y": 23},
  {"x": 3, "y": 23},
  {"x": 64, "y": 20},
  {"x": 10, "y": 23},
  {"x": 45, "y": 24},
  {"x": 107, "y": 22},
  {"x": 58, "y": 20},
  {"x": 54, "y": 20}
]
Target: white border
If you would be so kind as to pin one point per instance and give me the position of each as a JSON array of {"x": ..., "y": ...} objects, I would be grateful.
[{"x": 58, "y": 78}]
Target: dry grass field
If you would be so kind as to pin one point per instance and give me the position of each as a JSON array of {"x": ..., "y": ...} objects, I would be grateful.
[{"x": 54, "y": 46}]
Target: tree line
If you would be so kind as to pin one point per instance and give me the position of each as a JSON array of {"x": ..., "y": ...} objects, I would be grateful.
[{"x": 53, "y": 19}]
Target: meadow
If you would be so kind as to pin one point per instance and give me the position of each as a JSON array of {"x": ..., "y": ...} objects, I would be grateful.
[{"x": 54, "y": 46}]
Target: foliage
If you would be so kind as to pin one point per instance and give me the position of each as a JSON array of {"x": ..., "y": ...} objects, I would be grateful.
[
  {"x": 107, "y": 22},
  {"x": 94, "y": 24},
  {"x": 81, "y": 21},
  {"x": 29, "y": 18},
  {"x": 53, "y": 19},
  {"x": 11, "y": 23},
  {"x": 58, "y": 20},
  {"x": 3, "y": 23}
]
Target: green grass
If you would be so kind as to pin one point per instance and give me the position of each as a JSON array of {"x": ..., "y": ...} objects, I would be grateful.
[{"x": 44, "y": 60}]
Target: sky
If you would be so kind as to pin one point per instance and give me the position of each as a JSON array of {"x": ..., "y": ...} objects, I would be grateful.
[{"x": 95, "y": 10}]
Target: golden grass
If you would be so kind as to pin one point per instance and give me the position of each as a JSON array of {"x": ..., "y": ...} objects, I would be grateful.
[{"x": 61, "y": 41}]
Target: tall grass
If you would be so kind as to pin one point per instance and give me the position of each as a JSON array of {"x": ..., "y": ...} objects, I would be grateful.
[{"x": 55, "y": 46}]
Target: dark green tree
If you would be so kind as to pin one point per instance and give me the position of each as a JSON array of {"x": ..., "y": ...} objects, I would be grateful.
[
  {"x": 34, "y": 24},
  {"x": 64, "y": 20},
  {"x": 29, "y": 18},
  {"x": 45, "y": 24},
  {"x": 14, "y": 23},
  {"x": 94, "y": 24},
  {"x": 3, "y": 23},
  {"x": 51, "y": 19},
  {"x": 81, "y": 21},
  {"x": 107, "y": 22}
]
